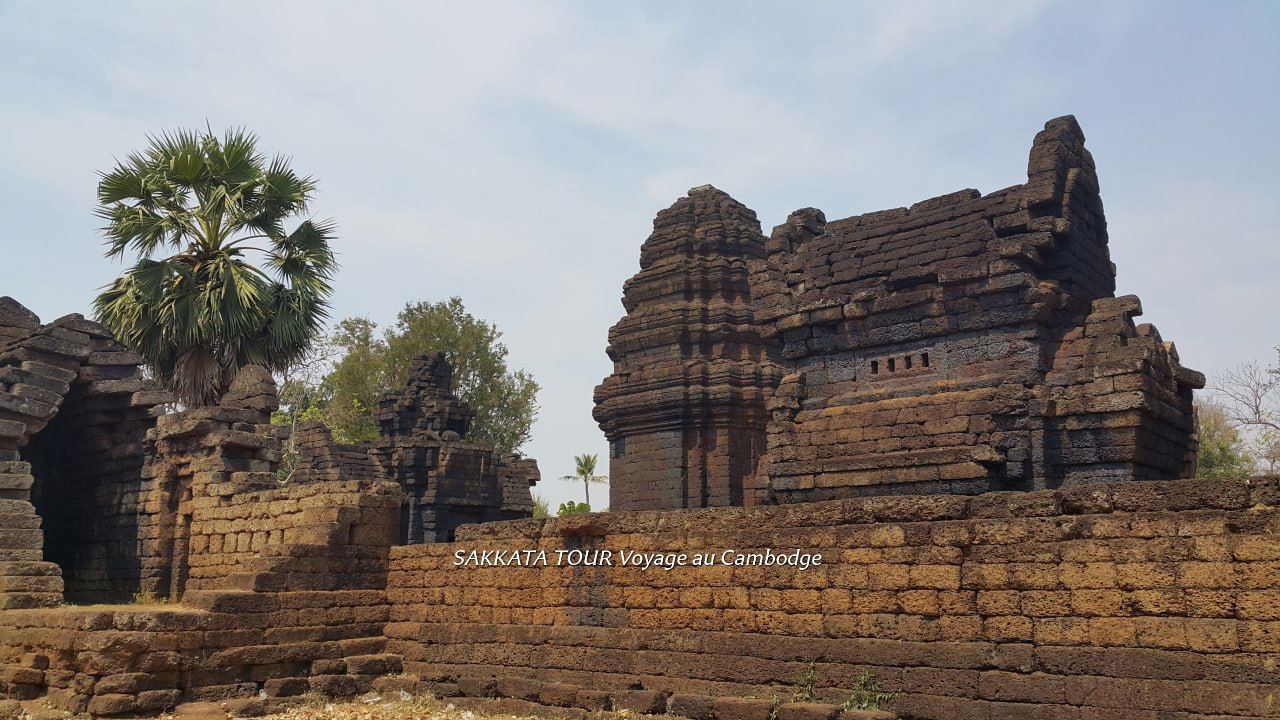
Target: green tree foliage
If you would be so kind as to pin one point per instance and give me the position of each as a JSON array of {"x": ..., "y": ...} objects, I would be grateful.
[
  {"x": 1268, "y": 454},
  {"x": 1223, "y": 452},
  {"x": 350, "y": 392},
  {"x": 572, "y": 508},
  {"x": 300, "y": 392},
  {"x": 585, "y": 470},
  {"x": 1250, "y": 398},
  {"x": 372, "y": 363},
  {"x": 197, "y": 209}
]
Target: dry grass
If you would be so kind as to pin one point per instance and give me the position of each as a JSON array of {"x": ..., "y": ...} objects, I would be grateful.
[{"x": 390, "y": 707}]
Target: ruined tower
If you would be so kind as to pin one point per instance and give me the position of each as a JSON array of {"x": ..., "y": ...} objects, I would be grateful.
[
  {"x": 684, "y": 410},
  {"x": 448, "y": 480},
  {"x": 964, "y": 344}
]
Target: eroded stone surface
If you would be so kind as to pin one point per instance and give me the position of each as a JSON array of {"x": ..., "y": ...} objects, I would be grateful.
[{"x": 74, "y": 407}]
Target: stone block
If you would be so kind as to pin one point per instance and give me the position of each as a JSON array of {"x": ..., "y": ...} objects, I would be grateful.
[
  {"x": 595, "y": 700},
  {"x": 477, "y": 686},
  {"x": 286, "y": 687},
  {"x": 807, "y": 711},
  {"x": 558, "y": 694},
  {"x": 115, "y": 704},
  {"x": 733, "y": 708},
  {"x": 373, "y": 664},
  {"x": 694, "y": 707},
  {"x": 649, "y": 702},
  {"x": 335, "y": 685},
  {"x": 334, "y": 666}
]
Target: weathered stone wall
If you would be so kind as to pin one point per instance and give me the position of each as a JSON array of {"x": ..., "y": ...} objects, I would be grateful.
[
  {"x": 967, "y": 343},
  {"x": 1124, "y": 600},
  {"x": 230, "y": 531},
  {"x": 211, "y": 483},
  {"x": 131, "y": 660},
  {"x": 86, "y": 464},
  {"x": 282, "y": 585}
]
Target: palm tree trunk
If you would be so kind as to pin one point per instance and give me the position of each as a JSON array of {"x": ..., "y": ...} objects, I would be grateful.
[{"x": 586, "y": 488}]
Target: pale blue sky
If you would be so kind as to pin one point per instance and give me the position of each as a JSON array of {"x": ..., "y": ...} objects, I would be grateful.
[{"x": 514, "y": 154}]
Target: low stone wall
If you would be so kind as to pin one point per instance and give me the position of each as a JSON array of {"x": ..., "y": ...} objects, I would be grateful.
[
  {"x": 297, "y": 605},
  {"x": 232, "y": 526},
  {"x": 128, "y": 660},
  {"x": 1130, "y": 600}
]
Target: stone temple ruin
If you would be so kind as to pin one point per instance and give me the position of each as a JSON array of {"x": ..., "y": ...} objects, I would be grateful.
[
  {"x": 966, "y": 344},
  {"x": 107, "y": 497},
  {"x": 946, "y": 403},
  {"x": 447, "y": 481}
]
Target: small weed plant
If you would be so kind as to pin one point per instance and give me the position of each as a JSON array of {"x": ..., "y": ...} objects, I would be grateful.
[
  {"x": 805, "y": 682},
  {"x": 866, "y": 694}
]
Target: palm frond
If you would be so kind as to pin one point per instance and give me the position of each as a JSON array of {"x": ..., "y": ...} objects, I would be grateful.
[
  {"x": 235, "y": 159},
  {"x": 205, "y": 311}
]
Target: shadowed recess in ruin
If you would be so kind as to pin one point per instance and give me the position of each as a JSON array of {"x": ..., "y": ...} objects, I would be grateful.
[{"x": 73, "y": 409}]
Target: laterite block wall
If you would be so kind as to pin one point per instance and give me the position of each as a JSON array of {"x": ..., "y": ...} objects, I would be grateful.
[
  {"x": 302, "y": 611},
  {"x": 1127, "y": 600}
]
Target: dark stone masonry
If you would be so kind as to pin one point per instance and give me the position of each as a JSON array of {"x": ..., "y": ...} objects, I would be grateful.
[{"x": 966, "y": 344}]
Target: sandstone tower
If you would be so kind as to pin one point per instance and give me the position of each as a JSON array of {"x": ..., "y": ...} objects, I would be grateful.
[{"x": 684, "y": 410}]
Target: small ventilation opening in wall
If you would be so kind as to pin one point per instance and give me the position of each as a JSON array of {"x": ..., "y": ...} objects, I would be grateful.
[
  {"x": 924, "y": 359},
  {"x": 875, "y": 367},
  {"x": 891, "y": 368}
]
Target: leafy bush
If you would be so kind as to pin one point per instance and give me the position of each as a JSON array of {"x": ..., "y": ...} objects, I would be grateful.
[
  {"x": 805, "y": 683},
  {"x": 867, "y": 694}
]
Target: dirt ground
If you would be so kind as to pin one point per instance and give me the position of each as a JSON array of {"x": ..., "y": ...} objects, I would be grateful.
[
  {"x": 395, "y": 706},
  {"x": 389, "y": 706}
]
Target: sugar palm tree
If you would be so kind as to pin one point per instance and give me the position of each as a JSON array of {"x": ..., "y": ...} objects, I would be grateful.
[
  {"x": 585, "y": 470},
  {"x": 197, "y": 209}
]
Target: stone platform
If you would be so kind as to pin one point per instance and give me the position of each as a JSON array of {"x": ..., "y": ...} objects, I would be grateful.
[{"x": 1126, "y": 600}]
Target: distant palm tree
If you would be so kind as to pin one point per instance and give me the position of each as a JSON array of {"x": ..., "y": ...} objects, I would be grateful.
[
  {"x": 202, "y": 313},
  {"x": 585, "y": 470}
]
